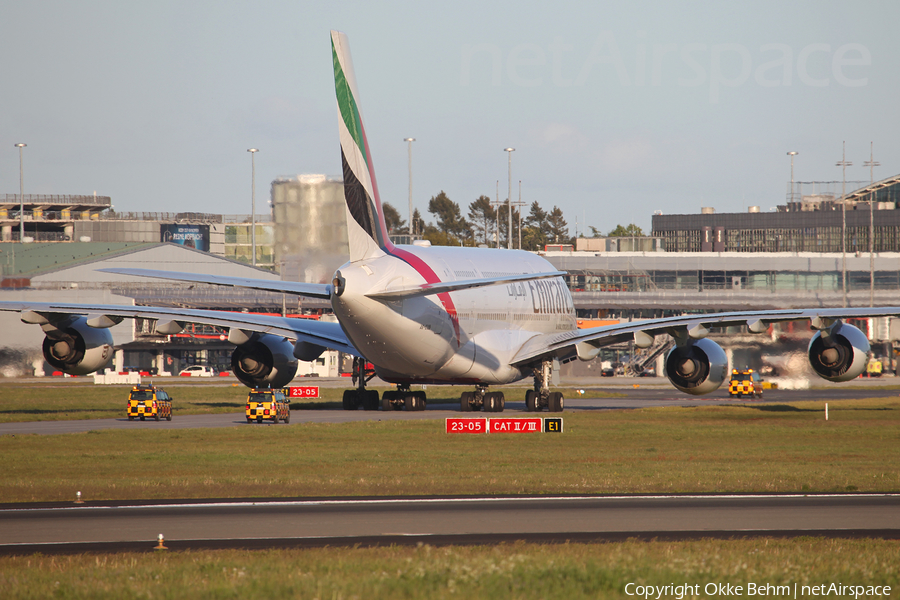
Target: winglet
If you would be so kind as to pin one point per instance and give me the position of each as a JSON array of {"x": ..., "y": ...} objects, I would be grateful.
[{"x": 366, "y": 229}]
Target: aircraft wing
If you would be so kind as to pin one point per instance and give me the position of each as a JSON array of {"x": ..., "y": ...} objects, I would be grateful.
[
  {"x": 427, "y": 289},
  {"x": 313, "y": 290},
  {"x": 557, "y": 345},
  {"x": 329, "y": 335}
]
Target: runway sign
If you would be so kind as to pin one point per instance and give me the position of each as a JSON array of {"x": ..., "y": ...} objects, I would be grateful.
[
  {"x": 457, "y": 425},
  {"x": 505, "y": 425},
  {"x": 515, "y": 425},
  {"x": 553, "y": 425},
  {"x": 308, "y": 391}
]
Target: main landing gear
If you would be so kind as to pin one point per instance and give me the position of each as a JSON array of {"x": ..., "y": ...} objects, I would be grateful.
[
  {"x": 368, "y": 399},
  {"x": 482, "y": 399},
  {"x": 403, "y": 397},
  {"x": 541, "y": 396},
  {"x": 360, "y": 396}
]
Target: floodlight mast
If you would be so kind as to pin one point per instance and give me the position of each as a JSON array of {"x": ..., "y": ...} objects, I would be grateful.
[
  {"x": 871, "y": 163},
  {"x": 253, "y": 152},
  {"x": 843, "y": 163},
  {"x": 792, "y": 154},
  {"x": 409, "y": 142},
  {"x": 509, "y": 243},
  {"x": 21, "y": 195}
]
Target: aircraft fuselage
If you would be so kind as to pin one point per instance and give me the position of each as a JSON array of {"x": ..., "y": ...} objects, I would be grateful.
[{"x": 465, "y": 336}]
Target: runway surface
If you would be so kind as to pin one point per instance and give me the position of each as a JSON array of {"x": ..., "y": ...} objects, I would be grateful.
[
  {"x": 440, "y": 521},
  {"x": 650, "y": 393}
]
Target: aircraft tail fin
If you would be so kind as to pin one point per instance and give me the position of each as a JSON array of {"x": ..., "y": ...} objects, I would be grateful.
[{"x": 366, "y": 230}]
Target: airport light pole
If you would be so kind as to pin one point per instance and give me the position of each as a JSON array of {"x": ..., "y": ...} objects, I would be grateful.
[
  {"x": 843, "y": 164},
  {"x": 792, "y": 154},
  {"x": 497, "y": 215},
  {"x": 509, "y": 152},
  {"x": 21, "y": 195},
  {"x": 409, "y": 142},
  {"x": 871, "y": 163},
  {"x": 253, "y": 152}
]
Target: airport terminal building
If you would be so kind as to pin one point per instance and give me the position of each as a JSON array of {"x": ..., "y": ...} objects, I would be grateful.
[{"x": 812, "y": 223}]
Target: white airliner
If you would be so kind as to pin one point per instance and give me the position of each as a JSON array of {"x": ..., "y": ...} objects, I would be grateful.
[{"x": 436, "y": 315}]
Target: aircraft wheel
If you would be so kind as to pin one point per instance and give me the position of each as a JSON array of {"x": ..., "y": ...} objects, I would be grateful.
[
  {"x": 465, "y": 401},
  {"x": 556, "y": 402},
  {"x": 420, "y": 400},
  {"x": 350, "y": 401},
  {"x": 502, "y": 401},
  {"x": 531, "y": 401},
  {"x": 370, "y": 401},
  {"x": 491, "y": 402}
]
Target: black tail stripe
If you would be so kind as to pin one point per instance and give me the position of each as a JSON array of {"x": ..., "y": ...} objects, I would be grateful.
[{"x": 358, "y": 202}]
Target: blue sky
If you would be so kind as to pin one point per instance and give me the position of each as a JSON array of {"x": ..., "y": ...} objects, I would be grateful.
[{"x": 616, "y": 109}]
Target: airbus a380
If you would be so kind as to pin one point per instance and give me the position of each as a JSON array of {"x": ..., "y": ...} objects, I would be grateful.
[{"x": 436, "y": 315}]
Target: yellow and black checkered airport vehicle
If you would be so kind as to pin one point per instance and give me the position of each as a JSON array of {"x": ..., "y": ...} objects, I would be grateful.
[
  {"x": 745, "y": 382},
  {"x": 149, "y": 401},
  {"x": 264, "y": 404}
]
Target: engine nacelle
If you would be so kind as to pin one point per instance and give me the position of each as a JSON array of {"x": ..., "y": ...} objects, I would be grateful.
[
  {"x": 264, "y": 361},
  {"x": 77, "y": 349},
  {"x": 839, "y": 355},
  {"x": 698, "y": 367}
]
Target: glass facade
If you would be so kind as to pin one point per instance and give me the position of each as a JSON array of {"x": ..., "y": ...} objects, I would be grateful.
[
  {"x": 705, "y": 280},
  {"x": 239, "y": 243}
]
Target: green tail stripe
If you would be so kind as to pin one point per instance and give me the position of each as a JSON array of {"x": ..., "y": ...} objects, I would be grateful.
[{"x": 347, "y": 104}]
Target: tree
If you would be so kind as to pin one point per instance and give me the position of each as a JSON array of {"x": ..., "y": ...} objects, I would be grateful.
[
  {"x": 481, "y": 217},
  {"x": 536, "y": 230},
  {"x": 558, "y": 228},
  {"x": 595, "y": 233},
  {"x": 392, "y": 219},
  {"x": 418, "y": 223},
  {"x": 631, "y": 231},
  {"x": 449, "y": 218}
]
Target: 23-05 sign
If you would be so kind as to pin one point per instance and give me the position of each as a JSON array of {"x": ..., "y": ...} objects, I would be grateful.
[{"x": 308, "y": 391}]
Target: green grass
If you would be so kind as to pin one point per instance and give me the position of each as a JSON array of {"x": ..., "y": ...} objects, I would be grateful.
[
  {"x": 522, "y": 571},
  {"x": 66, "y": 400},
  {"x": 747, "y": 448}
]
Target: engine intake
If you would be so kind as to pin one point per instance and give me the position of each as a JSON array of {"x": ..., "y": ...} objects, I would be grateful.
[
  {"x": 698, "y": 367},
  {"x": 264, "y": 361},
  {"x": 839, "y": 353},
  {"x": 76, "y": 348}
]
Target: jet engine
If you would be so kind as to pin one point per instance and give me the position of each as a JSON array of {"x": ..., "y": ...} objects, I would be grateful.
[
  {"x": 839, "y": 353},
  {"x": 75, "y": 348},
  {"x": 698, "y": 367},
  {"x": 265, "y": 360}
]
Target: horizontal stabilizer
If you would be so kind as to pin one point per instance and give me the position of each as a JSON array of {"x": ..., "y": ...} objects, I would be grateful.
[
  {"x": 312, "y": 290},
  {"x": 427, "y": 289}
]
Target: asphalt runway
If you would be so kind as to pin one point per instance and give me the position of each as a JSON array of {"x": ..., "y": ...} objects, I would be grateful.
[
  {"x": 440, "y": 521},
  {"x": 648, "y": 393}
]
